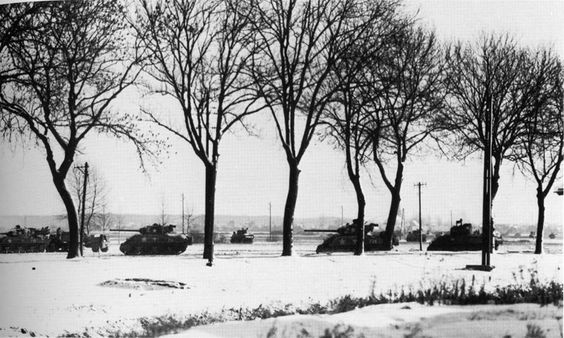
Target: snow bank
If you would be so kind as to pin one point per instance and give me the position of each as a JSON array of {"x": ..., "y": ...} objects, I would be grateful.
[{"x": 48, "y": 294}]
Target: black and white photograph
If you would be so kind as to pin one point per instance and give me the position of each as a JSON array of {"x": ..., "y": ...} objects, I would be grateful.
[{"x": 282, "y": 168}]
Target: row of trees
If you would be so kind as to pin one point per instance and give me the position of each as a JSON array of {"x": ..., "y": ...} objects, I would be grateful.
[{"x": 358, "y": 73}]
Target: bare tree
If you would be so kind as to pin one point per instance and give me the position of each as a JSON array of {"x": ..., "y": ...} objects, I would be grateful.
[
  {"x": 406, "y": 89},
  {"x": 348, "y": 124},
  {"x": 96, "y": 198},
  {"x": 188, "y": 219},
  {"x": 538, "y": 151},
  {"x": 483, "y": 78},
  {"x": 104, "y": 220},
  {"x": 296, "y": 45},
  {"x": 196, "y": 54},
  {"x": 66, "y": 74},
  {"x": 15, "y": 20}
]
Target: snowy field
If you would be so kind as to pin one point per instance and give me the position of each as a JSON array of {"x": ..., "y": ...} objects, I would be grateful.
[{"x": 46, "y": 294}]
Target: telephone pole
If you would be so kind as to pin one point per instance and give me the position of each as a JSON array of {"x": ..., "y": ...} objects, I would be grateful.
[
  {"x": 270, "y": 220},
  {"x": 418, "y": 185},
  {"x": 83, "y": 207}
]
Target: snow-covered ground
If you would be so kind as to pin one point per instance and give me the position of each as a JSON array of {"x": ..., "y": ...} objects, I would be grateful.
[
  {"x": 47, "y": 294},
  {"x": 398, "y": 320}
]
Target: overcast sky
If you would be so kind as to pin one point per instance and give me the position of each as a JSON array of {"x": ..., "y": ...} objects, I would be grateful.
[{"x": 253, "y": 170}]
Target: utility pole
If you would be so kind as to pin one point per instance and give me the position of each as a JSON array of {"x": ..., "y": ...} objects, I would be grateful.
[
  {"x": 342, "y": 219},
  {"x": 83, "y": 207},
  {"x": 182, "y": 212},
  {"x": 270, "y": 220},
  {"x": 420, "y": 228}
]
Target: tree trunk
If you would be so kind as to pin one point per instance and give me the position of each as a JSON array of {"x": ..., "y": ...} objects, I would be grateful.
[
  {"x": 289, "y": 208},
  {"x": 540, "y": 220},
  {"x": 495, "y": 176},
  {"x": 361, "y": 202},
  {"x": 72, "y": 216},
  {"x": 211, "y": 175},
  {"x": 394, "y": 206},
  {"x": 392, "y": 215}
]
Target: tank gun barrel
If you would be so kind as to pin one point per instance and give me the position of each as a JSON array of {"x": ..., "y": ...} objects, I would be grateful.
[
  {"x": 125, "y": 230},
  {"x": 319, "y": 230}
]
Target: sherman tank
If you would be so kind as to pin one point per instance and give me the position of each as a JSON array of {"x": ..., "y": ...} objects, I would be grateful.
[
  {"x": 413, "y": 236},
  {"x": 242, "y": 237},
  {"x": 344, "y": 239},
  {"x": 461, "y": 238},
  {"x": 155, "y": 239},
  {"x": 22, "y": 239}
]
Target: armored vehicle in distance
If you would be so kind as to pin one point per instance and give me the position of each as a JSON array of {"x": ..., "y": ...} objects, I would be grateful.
[
  {"x": 344, "y": 239},
  {"x": 22, "y": 239},
  {"x": 461, "y": 238},
  {"x": 242, "y": 237},
  {"x": 155, "y": 239},
  {"x": 413, "y": 236}
]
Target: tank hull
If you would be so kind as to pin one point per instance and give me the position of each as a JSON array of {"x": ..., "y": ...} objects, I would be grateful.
[
  {"x": 413, "y": 236},
  {"x": 247, "y": 239},
  {"x": 154, "y": 244},
  {"x": 347, "y": 243},
  {"x": 21, "y": 245},
  {"x": 462, "y": 243}
]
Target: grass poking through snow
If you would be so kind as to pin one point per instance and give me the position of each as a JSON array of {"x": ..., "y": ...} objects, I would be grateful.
[{"x": 525, "y": 289}]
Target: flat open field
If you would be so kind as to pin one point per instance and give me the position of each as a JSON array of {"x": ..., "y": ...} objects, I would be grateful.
[{"x": 46, "y": 294}]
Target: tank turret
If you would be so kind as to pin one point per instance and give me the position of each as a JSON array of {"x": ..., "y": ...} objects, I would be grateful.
[
  {"x": 242, "y": 237},
  {"x": 154, "y": 239},
  {"x": 344, "y": 238},
  {"x": 462, "y": 238},
  {"x": 22, "y": 239}
]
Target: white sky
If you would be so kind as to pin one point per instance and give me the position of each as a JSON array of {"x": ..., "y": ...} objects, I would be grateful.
[{"x": 253, "y": 171}]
